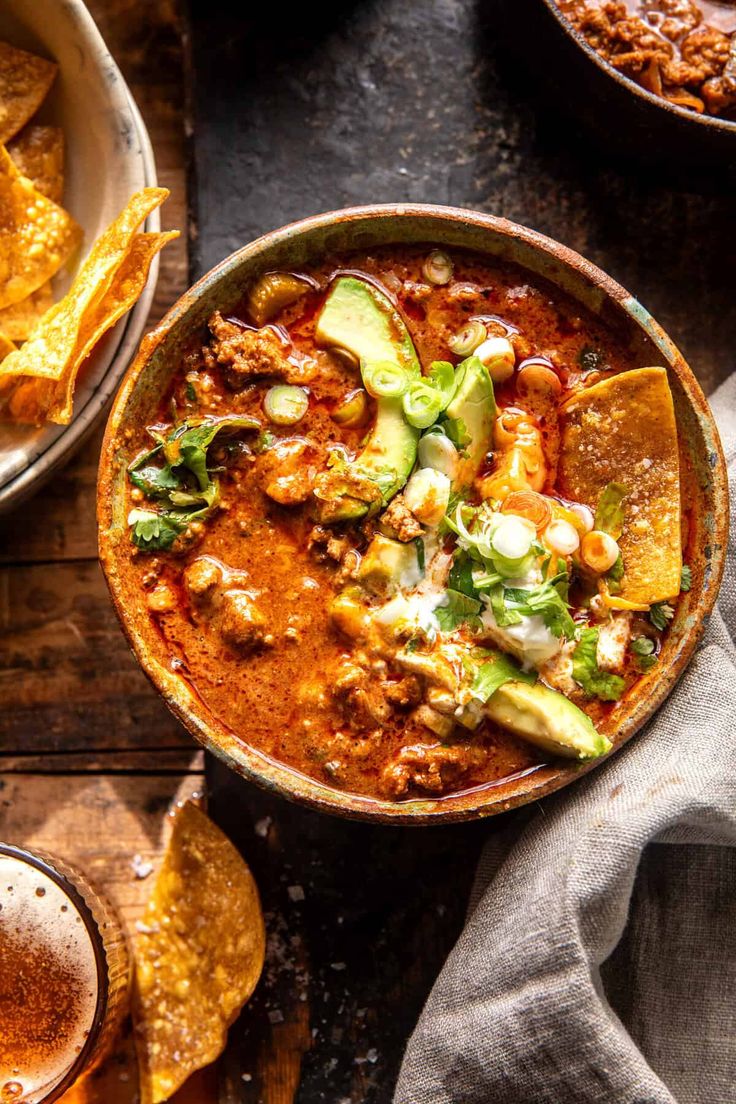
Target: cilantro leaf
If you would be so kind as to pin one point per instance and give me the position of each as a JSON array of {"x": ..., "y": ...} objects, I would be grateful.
[
  {"x": 183, "y": 483},
  {"x": 686, "y": 578},
  {"x": 609, "y": 514},
  {"x": 504, "y": 614},
  {"x": 547, "y": 601},
  {"x": 553, "y": 609},
  {"x": 196, "y": 499},
  {"x": 660, "y": 614},
  {"x": 586, "y": 672},
  {"x": 155, "y": 532},
  {"x": 458, "y": 609},
  {"x": 457, "y": 431},
  {"x": 442, "y": 378},
  {"x": 461, "y": 574},
  {"x": 187, "y": 445},
  {"x": 153, "y": 481},
  {"x": 492, "y": 674}
]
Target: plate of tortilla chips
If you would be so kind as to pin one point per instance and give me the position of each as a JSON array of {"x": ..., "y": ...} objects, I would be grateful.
[{"x": 79, "y": 235}]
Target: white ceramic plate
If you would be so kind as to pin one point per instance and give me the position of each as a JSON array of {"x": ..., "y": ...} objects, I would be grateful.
[{"x": 108, "y": 157}]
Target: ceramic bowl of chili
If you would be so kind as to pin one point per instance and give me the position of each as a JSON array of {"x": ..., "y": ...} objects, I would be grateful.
[
  {"x": 612, "y": 68},
  {"x": 540, "y": 270}
]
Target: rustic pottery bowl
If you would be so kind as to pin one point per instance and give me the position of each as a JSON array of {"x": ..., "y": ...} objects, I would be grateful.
[
  {"x": 108, "y": 157},
  {"x": 366, "y": 227}
]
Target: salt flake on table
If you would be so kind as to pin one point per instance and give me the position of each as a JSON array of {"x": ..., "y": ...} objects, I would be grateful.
[{"x": 140, "y": 867}]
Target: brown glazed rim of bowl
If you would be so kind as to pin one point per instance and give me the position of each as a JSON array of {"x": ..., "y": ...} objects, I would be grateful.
[
  {"x": 714, "y": 122},
  {"x": 454, "y": 227}
]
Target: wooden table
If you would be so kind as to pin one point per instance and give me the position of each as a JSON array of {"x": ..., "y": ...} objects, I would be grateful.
[{"x": 276, "y": 118}]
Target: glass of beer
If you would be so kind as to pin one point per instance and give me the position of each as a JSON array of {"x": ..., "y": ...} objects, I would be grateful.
[{"x": 64, "y": 976}]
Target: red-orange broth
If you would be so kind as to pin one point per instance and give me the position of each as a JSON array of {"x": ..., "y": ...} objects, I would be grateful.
[{"x": 282, "y": 692}]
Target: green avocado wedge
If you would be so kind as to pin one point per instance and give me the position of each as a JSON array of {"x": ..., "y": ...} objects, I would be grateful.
[
  {"x": 470, "y": 417},
  {"x": 547, "y": 719},
  {"x": 357, "y": 316},
  {"x": 389, "y": 565}
]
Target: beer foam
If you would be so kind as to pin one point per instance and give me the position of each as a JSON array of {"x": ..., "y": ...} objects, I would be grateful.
[{"x": 48, "y": 983}]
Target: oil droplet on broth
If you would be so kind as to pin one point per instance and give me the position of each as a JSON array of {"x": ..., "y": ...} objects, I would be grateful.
[{"x": 11, "y": 1090}]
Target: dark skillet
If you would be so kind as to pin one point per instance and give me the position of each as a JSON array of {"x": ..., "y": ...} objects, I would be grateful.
[{"x": 623, "y": 118}]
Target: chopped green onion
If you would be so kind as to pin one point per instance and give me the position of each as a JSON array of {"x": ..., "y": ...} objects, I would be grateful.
[
  {"x": 467, "y": 339},
  {"x": 437, "y": 268},
  {"x": 422, "y": 404},
  {"x": 642, "y": 649},
  {"x": 686, "y": 578},
  {"x": 513, "y": 538},
  {"x": 383, "y": 379},
  {"x": 285, "y": 405},
  {"x": 437, "y": 451},
  {"x": 498, "y": 356}
]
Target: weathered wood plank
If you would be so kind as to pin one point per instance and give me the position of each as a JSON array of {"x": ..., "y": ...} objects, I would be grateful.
[
  {"x": 59, "y": 522},
  {"x": 68, "y": 680},
  {"x": 360, "y": 919},
  {"x": 99, "y": 822},
  {"x": 174, "y": 761}
]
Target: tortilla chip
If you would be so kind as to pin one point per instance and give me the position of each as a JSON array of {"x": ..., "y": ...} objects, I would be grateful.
[
  {"x": 198, "y": 955},
  {"x": 6, "y": 345},
  {"x": 122, "y": 294},
  {"x": 37, "y": 399},
  {"x": 36, "y": 235},
  {"x": 24, "y": 81},
  {"x": 55, "y": 344},
  {"x": 38, "y": 153},
  {"x": 623, "y": 430},
  {"x": 20, "y": 319}
]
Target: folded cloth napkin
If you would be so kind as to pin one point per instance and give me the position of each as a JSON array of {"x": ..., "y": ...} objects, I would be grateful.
[{"x": 598, "y": 962}]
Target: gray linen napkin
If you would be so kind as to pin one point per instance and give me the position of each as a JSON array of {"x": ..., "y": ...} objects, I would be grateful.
[{"x": 616, "y": 894}]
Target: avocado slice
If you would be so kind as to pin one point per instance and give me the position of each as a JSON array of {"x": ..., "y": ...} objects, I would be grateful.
[
  {"x": 547, "y": 719},
  {"x": 471, "y": 415},
  {"x": 358, "y": 317},
  {"x": 389, "y": 565}
]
